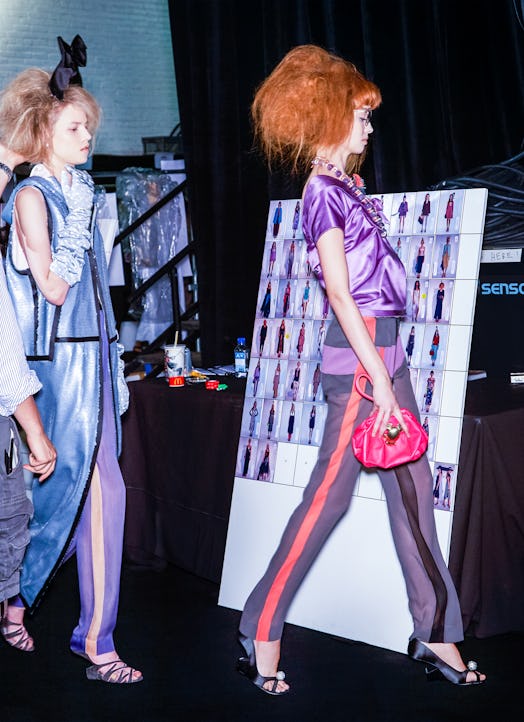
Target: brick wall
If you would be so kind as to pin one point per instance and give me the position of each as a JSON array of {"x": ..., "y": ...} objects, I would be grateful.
[{"x": 129, "y": 60}]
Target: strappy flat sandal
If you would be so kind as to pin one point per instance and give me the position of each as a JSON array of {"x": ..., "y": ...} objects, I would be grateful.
[
  {"x": 248, "y": 667},
  {"x": 115, "y": 672},
  {"x": 123, "y": 672},
  {"x": 18, "y": 637}
]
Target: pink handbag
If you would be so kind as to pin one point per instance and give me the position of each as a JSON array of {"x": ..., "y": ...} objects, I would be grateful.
[{"x": 393, "y": 447}]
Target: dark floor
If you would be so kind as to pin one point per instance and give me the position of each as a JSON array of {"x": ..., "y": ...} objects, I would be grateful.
[{"x": 172, "y": 629}]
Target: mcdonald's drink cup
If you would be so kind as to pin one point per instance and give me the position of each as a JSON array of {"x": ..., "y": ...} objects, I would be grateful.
[{"x": 174, "y": 361}]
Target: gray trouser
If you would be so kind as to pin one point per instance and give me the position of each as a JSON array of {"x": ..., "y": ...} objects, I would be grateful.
[
  {"x": 433, "y": 601},
  {"x": 15, "y": 509}
]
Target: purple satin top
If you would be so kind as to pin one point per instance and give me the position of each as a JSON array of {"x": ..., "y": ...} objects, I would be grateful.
[{"x": 377, "y": 278}]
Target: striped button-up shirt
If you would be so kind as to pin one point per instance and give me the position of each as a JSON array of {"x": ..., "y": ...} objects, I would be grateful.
[{"x": 17, "y": 381}]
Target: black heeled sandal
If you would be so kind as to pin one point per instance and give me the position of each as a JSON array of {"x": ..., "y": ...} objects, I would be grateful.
[
  {"x": 248, "y": 667},
  {"x": 437, "y": 669}
]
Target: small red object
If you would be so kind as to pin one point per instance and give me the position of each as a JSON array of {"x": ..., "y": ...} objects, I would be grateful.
[
  {"x": 176, "y": 380},
  {"x": 212, "y": 384}
]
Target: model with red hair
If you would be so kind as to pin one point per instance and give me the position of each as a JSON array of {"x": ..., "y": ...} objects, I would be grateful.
[{"x": 314, "y": 112}]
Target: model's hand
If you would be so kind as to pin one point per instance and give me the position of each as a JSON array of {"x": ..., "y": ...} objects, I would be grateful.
[
  {"x": 42, "y": 455},
  {"x": 123, "y": 390},
  {"x": 386, "y": 406},
  {"x": 78, "y": 188},
  {"x": 10, "y": 157},
  {"x": 74, "y": 238}
]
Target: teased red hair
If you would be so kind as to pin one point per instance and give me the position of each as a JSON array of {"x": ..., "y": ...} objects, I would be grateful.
[{"x": 306, "y": 102}]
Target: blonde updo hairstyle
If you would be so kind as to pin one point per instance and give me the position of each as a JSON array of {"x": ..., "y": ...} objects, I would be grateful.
[
  {"x": 307, "y": 102},
  {"x": 28, "y": 111}
]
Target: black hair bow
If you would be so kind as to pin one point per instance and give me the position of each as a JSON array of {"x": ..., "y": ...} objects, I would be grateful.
[{"x": 66, "y": 72}]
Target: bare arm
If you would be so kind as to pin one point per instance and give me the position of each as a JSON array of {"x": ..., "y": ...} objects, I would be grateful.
[
  {"x": 30, "y": 219},
  {"x": 42, "y": 453},
  {"x": 333, "y": 261}
]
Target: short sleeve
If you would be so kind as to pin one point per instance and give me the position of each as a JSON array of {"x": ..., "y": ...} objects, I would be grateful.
[{"x": 327, "y": 210}]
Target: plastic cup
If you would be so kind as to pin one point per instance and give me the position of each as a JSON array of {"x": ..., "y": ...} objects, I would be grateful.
[{"x": 174, "y": 360}]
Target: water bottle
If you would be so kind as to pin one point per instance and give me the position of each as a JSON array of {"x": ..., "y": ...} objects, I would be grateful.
[
  {"x": 241, "y": 358},
  {"x": 188, "y": 364}
]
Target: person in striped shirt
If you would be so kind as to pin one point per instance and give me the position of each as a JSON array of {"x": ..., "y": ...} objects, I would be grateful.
[{"x": 18, "y": 384}]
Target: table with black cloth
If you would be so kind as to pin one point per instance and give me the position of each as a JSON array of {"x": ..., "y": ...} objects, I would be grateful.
[
  {"x": 487, "y": 543},
  {"x": 178, "y": 462}
]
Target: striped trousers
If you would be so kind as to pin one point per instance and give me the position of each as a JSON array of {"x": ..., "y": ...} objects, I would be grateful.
[
  {"x": 98, "y": 539},
  {"x": 432, "y": 597}
]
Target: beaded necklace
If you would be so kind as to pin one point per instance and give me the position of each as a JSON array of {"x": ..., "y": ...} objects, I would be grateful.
[{"x": 353, "y": 190}]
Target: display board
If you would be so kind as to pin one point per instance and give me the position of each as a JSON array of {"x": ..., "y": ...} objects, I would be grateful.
[{"x": 355, "y": 587}]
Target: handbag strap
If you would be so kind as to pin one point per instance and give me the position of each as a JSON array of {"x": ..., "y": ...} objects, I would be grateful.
[{"x": 358, "y": 379}]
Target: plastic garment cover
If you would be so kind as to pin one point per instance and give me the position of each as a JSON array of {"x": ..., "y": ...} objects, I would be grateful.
[{"x": 152, "y": 245}]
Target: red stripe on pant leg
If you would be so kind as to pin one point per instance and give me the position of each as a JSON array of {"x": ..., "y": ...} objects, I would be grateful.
[
  {"x": 309, "y": 521},
  {"x": 317, "y": 504}
]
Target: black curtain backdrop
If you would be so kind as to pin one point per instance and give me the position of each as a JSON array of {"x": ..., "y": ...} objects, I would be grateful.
[{"x": 451, "y": 74}]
